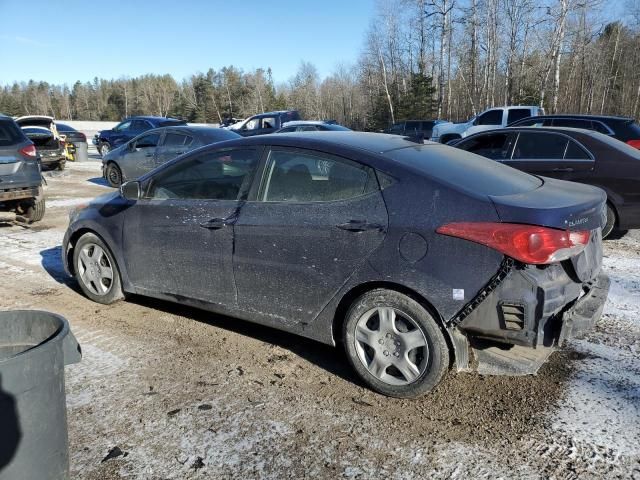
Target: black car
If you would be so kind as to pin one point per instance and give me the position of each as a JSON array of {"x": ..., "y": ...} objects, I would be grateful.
[
  {"x": 413, "y": 128},
  {"x": 409, "y": 255},
  {"x": 264, "y": 123},
  {"x": 625, "y": 129},
  {"x": 21, "y": 195},
  {"x": 107, "y": 140},
  {"x": 577, "y": 155},
  {"x": 156, "y": 147}
]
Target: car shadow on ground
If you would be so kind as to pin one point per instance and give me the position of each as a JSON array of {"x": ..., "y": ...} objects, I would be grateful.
[
  {"x": 51, "y": 261},
  {"x": 331, "y": 359},
  {"x": 99, "y": 181}
]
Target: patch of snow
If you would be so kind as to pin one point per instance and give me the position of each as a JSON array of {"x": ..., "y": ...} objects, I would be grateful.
[{"x": 68, "y": 202}]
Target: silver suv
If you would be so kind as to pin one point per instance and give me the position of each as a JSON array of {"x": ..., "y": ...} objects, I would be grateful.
[{"x": 21, "y": 196}]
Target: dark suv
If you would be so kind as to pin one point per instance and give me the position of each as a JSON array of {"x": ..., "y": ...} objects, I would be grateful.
[
  {"x": 127, "y": 129},
  {"x": 20, "y": 179},
  {"x": 265, "y": 123},
  {"x": 624, "y": 129}
]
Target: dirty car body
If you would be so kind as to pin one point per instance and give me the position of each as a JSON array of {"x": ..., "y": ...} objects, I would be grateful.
[{"x": 293, "y": 230}]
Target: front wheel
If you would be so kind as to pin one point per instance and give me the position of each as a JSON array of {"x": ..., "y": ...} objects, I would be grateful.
[
  {"x": 104, "y": 148},
  {"x": 394, "y": 344},
  {"x": 96, "y": 270},
  {"x": 114, "y": 175}
]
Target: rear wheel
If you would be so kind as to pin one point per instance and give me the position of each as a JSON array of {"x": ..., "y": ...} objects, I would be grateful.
[
  {"x": 96, "y": 270},
  {"x": 60, "y": 165},
  {"x": 394, "y": 344},
  {"x": 114, "y": 175},
  {"x": 611, "y": 221},
  {"x": 33, "y": 210}
]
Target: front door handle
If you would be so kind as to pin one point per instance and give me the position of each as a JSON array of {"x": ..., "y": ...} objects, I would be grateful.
[
  {"x": 218, "y": 223},
  {"x": 568, "y": 169},
  {"x": 359, "y": 226},
  {"x": 148, "y": 155}
]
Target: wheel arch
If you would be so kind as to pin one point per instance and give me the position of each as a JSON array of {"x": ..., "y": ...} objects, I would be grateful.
[
  {"x": 71, "y": 245},
  {"x": 350, "y": 296}
]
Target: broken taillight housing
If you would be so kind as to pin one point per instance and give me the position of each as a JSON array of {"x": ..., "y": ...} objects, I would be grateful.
[{"x": 527, "y": 243}]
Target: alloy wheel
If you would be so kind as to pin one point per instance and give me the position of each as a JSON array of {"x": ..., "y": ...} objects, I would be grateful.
[{"x": 391, "y": 345}]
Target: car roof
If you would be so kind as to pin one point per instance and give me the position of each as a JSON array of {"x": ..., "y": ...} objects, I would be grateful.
[{"x": 153, "y": 118}]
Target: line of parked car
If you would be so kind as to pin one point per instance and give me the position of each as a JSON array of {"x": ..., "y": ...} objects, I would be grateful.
[{"x": 410, "y": 254}]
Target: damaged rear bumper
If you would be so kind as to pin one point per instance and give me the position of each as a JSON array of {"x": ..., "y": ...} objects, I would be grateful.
[{"x": 525, "y": 316}]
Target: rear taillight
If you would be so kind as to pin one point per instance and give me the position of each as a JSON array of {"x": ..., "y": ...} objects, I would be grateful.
[
  {"x": 29, "y": 151},
  {"x": 526, "y": 243},
  {"x": 634, "y": 143}
]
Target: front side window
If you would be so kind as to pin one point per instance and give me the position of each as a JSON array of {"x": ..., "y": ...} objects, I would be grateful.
[
  {"x": 217, "y": 175},
  {"x": 495, "y": 146},
  {"x": 299, "y": 176},
  {"x": 253, "y": 124},
  {"x": 123, "y": 126},
  {"x": 147, "y": 141},
  {"x": 540, "y": 146},
  {"x": 492, "y": 117}
]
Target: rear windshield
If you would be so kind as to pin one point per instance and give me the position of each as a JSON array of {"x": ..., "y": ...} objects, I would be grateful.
[
  {"x": 61, "y": 127},
  {"x": 466, "y": 171},
  {"x": 10, "y": 134}
]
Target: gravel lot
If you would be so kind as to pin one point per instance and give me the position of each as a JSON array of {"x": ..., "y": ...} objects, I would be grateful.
[{"x": 186, "y": 394}]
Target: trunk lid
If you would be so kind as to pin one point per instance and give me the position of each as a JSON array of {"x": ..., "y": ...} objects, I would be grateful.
[{"x": 555, "y": 204}]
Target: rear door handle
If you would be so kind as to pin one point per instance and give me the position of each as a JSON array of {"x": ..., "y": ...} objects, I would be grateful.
[
  {"x": 218, "y": 223},
  {"x": 568, "y": 169},
  {"x": 359, "y": 226}
]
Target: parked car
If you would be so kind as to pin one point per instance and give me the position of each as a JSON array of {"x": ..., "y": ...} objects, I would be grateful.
[
  {"x": 406, "y": 254},
  {"x": 312, "y": 126},
  {"x": 625, "y": 129},
  {"x": 264, "y": 123},
  {"x": 577, "y": 155},
  {"x": 156, "y": 147},
  {"x": 75, "y": 141},
  {"x": 41, "y": 130},
  {"x": 107, "y": 140},
  {"x": 414, "y": 128},
  {"x": 20, "y": 179},
  {"x": 487, "y": 120}
]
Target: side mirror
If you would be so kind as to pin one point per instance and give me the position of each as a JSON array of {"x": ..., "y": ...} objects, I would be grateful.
[
  {"x": 130, "y": 146},
  {"x": 130, "y": 190}
]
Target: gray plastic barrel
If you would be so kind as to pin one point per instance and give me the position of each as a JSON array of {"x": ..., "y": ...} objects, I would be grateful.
[
  {"x": 82, "y": 152},
  {"x": 34, "y": 348}
]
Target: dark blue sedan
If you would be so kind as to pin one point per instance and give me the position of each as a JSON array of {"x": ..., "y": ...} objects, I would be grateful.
[{"x": 411, "y": 256}]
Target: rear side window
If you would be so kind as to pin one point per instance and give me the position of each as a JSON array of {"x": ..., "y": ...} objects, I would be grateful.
[
  {"x": 516, "y": 114},
  {"x": 174, "y": 139},
  {"x": 601, "y": 127},
  {"x": 495, "y": 146},
  {"x": 10, "y": 134},
  {"x": 576, "y": 152},
  {"x": 539, "y": 146},
  {"x": 299, "y": 176},
  {"x": 412, "y": 126},
  {"x": 492, "y": 117},
  {"x": 572, "y": 123}
]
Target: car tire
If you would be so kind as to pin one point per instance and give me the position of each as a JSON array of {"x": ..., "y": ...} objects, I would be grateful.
[
  {"x": 60, "y": 165},
  {"x": 96, "y": 270},
  {"x": 104, "y": 148},
  {"x": 394, "y": 344},
  {"x": 113, "y": 174},
  {"x": 611, "y": 221},
  {"x": 34, "y": 210}
]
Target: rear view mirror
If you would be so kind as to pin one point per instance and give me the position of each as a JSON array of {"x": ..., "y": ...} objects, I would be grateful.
[{"x": 130, "y": 190}]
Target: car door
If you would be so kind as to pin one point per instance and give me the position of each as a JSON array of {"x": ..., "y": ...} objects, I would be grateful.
[
  {"x": 315, "y": 220},
  {"x": 178, "y": 239},
  {"x": 550, "y": 154},
  {"x": 489, "y": 120},
  {"x": 173, "y": 145},
  {"x": 139, "y": 156}
]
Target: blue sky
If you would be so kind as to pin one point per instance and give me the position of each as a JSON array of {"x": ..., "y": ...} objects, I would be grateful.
[{"x": 63, "y": 41}]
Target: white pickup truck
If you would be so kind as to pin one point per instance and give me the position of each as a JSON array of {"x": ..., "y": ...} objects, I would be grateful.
[{"x": 487, "y": 120}]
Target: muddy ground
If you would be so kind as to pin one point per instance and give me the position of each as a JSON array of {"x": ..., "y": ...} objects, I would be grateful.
[{"x": 186, "y": 394}]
